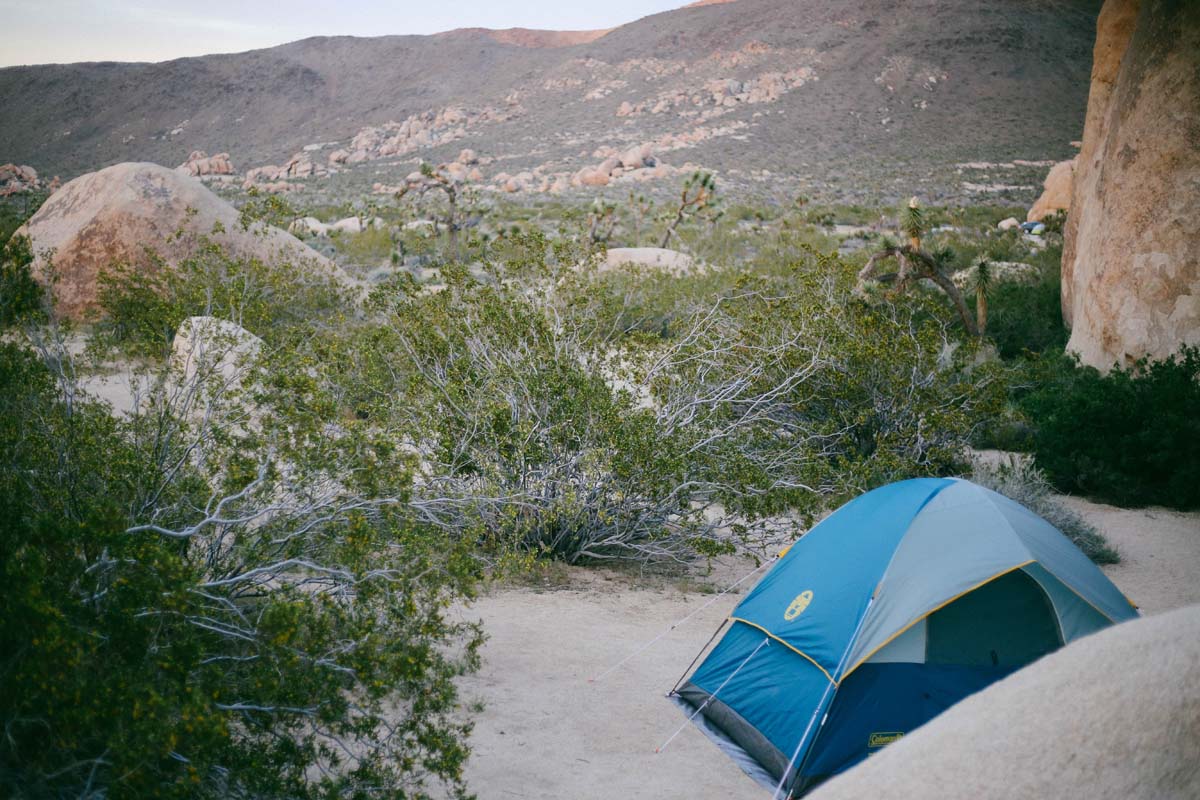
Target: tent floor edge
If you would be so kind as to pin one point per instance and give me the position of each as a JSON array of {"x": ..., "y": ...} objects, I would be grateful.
[{"x": 736, "y": 737}]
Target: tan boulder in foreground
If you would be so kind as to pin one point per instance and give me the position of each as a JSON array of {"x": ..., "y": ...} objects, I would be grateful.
[
  {"x": 1131, "y": 255},
  {"x": 1114, "y": 716},
  {"x": 671, "y": 261},
  {"x": 117, "y": 214}
]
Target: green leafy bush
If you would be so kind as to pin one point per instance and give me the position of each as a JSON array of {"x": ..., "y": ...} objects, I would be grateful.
[
  {"x": 1127, "y": 437},
  {"x": 1026, "y": 318},
  {"x": 799, "y": 394},
  {"x": 168, "y": 632},
  {"x": 141, "y": 309},
  {"x": 20, "y": 295}
]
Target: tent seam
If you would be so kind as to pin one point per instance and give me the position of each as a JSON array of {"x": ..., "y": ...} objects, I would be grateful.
[
  {"x": 933, "y": 610},
  {"x": 1013, "y": 528},
  {"x": 789, "y": 646}
]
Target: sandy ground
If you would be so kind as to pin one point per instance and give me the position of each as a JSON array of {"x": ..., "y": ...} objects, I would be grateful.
[
  {"x": 546, "y": 732},
  {"x": 1160, "y": 553}
]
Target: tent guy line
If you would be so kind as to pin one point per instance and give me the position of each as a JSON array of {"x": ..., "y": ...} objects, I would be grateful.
[
  {"x": 647, "y": 645},
  {"x": 765, "y": 642}
]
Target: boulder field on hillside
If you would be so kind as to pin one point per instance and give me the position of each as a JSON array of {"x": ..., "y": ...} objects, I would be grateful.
[
  {"x": 1131, "y": 256},
  {"x": 1113, "y": 716},
  {"x": 130, "y": 213}
]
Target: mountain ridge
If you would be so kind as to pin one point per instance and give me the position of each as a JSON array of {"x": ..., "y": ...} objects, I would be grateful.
[{"x": 923, "y": 82}]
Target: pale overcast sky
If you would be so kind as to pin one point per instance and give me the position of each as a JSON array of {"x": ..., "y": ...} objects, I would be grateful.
[{"x": 58, "y": 31}]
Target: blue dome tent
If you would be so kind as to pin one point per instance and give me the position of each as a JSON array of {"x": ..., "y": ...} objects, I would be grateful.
[{"x": 895, "y": 607}]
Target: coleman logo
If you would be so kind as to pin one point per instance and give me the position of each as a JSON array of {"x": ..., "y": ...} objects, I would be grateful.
[
  {"x": 798, "y": 605},
  {"x": 880, "y": 739}
]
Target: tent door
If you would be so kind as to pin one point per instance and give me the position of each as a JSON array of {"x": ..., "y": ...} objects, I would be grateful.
[{"x": 1008, "y": 622}]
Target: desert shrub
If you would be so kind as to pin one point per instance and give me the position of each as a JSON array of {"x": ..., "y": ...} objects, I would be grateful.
[
  {"x": 798, "y": 394},
  {"x": 1025, "y": 318},
  {"x": 142, "y": 308},
  {"x": 16, "y": 209},
  {"x": 1126, "y": 437},
  {"x": 525, "y": 447},
  {"x": 1009, "y": 431},
  {"x": 368, "y": 247},
  {"x": 272, "y": 209},
  {"x": 20, "y": 295},
  {"x": 1018, "y": 479},
  {"x": 172, "y": 632}
]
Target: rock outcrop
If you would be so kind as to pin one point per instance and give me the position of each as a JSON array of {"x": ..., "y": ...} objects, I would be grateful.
[
  {"x": 1056, "y": 192},
  {"x": 200, "y": 164},
  {"x": 670, "y": 261},
  {"x": 124, "y": 213},
  {"x": 1131, "y": 257},
  {"x": 208, "y": 347},
  {"x": 16, "y": 178},
  {"x": 1112, "y": 716}
]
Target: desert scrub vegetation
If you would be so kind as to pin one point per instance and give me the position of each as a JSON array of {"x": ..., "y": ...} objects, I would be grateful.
[
  {"x": 556, "y": 410},
  {"x": 141, "y": 309},
  {"x": 1126, "y": 437},
  {"x": 240, "y": 587},
  {"x": 20, "y": 295},
  {"x": 199, "y": 601}
]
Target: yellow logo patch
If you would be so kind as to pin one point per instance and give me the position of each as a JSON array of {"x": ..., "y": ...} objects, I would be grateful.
[
  {"x": 880, "y": 739},
  {"x": 798, "y": 605}
]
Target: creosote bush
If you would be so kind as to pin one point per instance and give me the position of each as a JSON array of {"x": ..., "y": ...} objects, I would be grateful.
[
  {"x": 141, "y": 309},
  {"x": 192, "y": 606},
  {"x": 20, "y": 296}
]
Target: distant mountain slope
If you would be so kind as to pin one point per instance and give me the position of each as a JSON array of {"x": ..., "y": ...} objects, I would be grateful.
[{"x": 782, "y": 85}]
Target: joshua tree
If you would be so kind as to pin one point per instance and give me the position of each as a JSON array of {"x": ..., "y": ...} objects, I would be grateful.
[
  {"x": 601, "y": 222},
  {"x": 912, "y": 222},
  {"x": 914, "y": 263},
  {"x": 983, "y": 284},
  {"x": 431, "y": 179},
  {"x": 699, "y": 192}
]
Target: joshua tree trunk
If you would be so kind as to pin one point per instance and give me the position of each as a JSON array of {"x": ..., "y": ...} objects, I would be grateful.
[
  {"x": 671, "y": 228},
  {"x": 919, "y": 264},
  {"x": 981, "y": 309},
  {"x": 452, "y": 219}
]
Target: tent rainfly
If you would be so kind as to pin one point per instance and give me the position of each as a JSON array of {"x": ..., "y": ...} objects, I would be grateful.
[{"x": 898, "y": 605}]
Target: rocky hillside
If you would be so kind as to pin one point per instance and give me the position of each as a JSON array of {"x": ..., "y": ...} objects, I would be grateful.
[{"x": 762, "y": 90}]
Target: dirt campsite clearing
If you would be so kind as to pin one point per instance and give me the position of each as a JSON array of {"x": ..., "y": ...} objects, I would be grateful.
[{"x": 546, "y": 732}]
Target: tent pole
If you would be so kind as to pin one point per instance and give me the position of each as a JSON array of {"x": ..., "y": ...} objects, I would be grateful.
[
  {"x": 822, "y": 707},
  {"x": 766, "y": 641},
  {"x": 720, "y": 628}
]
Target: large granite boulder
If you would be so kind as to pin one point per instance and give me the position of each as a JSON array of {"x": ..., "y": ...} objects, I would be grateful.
[
  {"x": 1131, "y": 259},
  {"x": 1056, "y": 192},
  {"x": 131, "y": 213}
]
